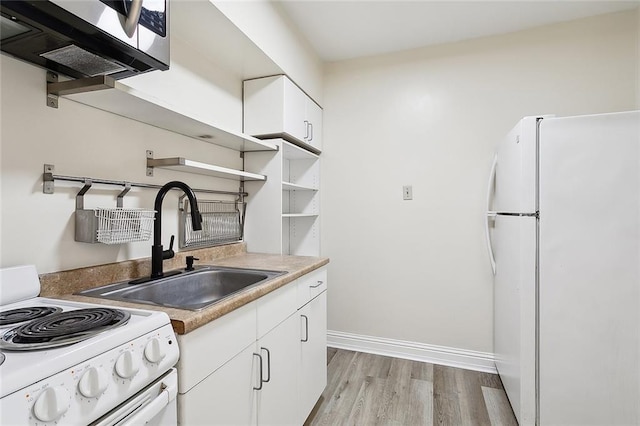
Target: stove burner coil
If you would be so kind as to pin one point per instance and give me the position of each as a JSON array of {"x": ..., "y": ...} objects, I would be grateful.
[
  {"x": 19, "y": 315},
  {"x": 63, "y": 328}
]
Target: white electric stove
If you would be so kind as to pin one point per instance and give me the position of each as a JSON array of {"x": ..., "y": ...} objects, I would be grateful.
[{"x": 66, "y": 362}]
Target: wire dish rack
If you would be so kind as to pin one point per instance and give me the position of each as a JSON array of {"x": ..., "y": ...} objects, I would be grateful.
[
  {"x": 222, "y": 223},
  {"x": 111, "y": 225},
  {"x": 120, "y": 225}
]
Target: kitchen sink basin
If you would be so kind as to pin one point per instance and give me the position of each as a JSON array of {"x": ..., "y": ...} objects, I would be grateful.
[{"x": 193, "y": 290}]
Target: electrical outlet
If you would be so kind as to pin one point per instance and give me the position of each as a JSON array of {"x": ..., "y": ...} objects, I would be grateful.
[{"x": 407, "y": 192}]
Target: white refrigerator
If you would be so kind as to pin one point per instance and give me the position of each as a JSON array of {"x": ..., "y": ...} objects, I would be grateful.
[{"x": 563, "y": 233}]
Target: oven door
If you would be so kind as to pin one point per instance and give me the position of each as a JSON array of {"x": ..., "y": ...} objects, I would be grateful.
[{"x": 154, "y": 405}]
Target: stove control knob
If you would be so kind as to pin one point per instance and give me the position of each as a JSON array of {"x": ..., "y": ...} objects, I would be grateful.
[
  {"x": 93, "y": 382},
  {"x": 154, "y": 352},
  {"x": 127, "y": 365},
  {"x": 52, "y": 404}
]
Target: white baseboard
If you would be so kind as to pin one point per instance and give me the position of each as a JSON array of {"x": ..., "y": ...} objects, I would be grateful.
[{"x": 443, "y": 355}]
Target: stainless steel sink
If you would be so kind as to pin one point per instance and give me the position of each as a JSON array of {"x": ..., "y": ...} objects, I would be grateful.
[{"x": 193, "y": 290}]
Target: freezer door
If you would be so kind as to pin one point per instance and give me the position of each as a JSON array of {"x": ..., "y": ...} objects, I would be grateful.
[
  {"x": 589, "y": 270},
  {"x": 515, "y": 173},
  {"x": 514, "y": 242}
]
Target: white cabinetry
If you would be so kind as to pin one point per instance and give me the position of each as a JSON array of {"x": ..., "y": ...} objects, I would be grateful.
[
  {"x": 313, "y": 341},
  {"x": 263, "y": 364},
  {"x": 217, "y": 371},
  {"x": 284, "y": 211},
  {"x": 275, "y": 107},
  {"x": 278, "y": 348},
  {"x": 275, "y": 402},
  {"x": 226, "y": 397}
]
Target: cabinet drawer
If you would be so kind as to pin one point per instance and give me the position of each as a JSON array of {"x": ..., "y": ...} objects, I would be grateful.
[
  {"x": 311, "y": 285},
  {"x": 275, "y": 307}
]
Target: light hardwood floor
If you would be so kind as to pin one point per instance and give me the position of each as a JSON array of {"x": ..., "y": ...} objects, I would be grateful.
[{"x": 364, "y": 389}]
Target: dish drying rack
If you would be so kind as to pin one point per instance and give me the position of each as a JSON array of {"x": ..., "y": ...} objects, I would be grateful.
[
  {"x": 222, "y": 223},
  {"x": 119, "y": 225},
  {"x": 112, "y": 225}
]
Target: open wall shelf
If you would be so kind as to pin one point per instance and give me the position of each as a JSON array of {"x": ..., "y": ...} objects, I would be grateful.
[
  {"x": 107, "y": 94},
  {"x": 288, "y": 186},
  {"x": 184, "y": 165}
]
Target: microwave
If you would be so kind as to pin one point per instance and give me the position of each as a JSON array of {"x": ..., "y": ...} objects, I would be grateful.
[{"x": 86, "y": 38}]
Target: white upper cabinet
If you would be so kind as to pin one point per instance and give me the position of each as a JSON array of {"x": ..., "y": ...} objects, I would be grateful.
[{"x": 274, "y": 107}]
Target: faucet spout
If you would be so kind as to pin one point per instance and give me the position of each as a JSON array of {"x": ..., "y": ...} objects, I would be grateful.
[{"x": 158, "y": 254}]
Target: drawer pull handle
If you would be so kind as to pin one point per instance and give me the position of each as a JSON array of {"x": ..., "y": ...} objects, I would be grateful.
[
  {"x": 306, "y": 328},
  {"x": 317, "y": 285},
  {"x": 268, "y": 366},
  {"x": 260, "y": 363}
]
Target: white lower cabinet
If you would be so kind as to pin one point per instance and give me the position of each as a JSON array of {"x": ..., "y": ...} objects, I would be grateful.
[
  {"x": 276, "y": 379},
  {"x": 313, "y": 354},
  {"x": 226, "y": 397},
  {"x": 277, "y": 400}
]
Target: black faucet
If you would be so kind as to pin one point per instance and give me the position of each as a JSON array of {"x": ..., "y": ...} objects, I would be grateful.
[{"x": 157, "y": 252}]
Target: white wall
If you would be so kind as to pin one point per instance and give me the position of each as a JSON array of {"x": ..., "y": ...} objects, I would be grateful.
[
  {"x": 418, "y": 270},
  {"x": 83, "y": 141},
  {"x": 271, "y": 30}
]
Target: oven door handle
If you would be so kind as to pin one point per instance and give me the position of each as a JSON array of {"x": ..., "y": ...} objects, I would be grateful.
[
  {"x": 145, "y": 412},
  {"x": 149, "y": 411}
]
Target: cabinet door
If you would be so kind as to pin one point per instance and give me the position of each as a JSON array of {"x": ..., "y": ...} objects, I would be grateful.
[
  {"x": 277, "y": 401},
  {"x": 226, "y": 397},
  {"x": 262, "y": 105},
  {"x": 313, "y": 354},
  {"x": 295, "y": 114},
  {"x": 314, "y": 117}
]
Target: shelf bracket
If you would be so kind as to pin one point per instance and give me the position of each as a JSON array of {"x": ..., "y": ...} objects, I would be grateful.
[
  {"x": 52, "y": 100},
  {"x": 56, "y": 88},
  {"x": 149, "y": 157},
  {"x": 47, "y": 179}
]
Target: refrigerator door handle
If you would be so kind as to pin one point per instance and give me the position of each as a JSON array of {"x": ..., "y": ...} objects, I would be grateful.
[{"x": 490, "y": 214}]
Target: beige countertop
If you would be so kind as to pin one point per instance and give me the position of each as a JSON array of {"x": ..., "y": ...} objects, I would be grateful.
[{"x": 63, "y": 285}]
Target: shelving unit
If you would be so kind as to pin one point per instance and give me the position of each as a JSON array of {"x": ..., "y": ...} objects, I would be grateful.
[{"x": 288, "y": 203}]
